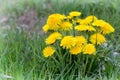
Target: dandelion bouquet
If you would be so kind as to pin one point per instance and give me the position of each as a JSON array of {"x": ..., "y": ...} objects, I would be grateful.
[{"x": 75, "y": 42}]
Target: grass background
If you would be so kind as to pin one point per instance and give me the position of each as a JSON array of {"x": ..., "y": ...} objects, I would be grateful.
[{"x": 21, "y": 52}]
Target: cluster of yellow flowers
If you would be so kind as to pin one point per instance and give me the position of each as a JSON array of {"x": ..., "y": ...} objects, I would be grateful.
[{"x": 74, "y": 34}]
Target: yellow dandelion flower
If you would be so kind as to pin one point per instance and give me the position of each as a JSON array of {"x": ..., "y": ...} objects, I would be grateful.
[
  {"x": 66, "y": 25},
  {"x": 84, "y": 22},
  {"x": 90, "y": 18},
  {"x": 48, "y": 51},
  {"x": 80, "y": 40},
  {"x": 84, "y": 28},
  {"x": 75, "y": 50},
  {"x": 50, "y": 40},
  {"x": 45, "y": 28},
  {"x": 53, "y": 37},
  {"x": 54, "y": 21},
  {"x": 74, "y": 13},
  {"x": 105, "y": 27},
  {"x": 79, "y": 21},
  {"x": 98, "y": 23},
  {"x": 87, "y": 20},
  {"x": 97, "y": 38},
  {"x": 69, "y": 17},
  {"x": 68, "y": 42},
  {"x": 89, "y": 49}
]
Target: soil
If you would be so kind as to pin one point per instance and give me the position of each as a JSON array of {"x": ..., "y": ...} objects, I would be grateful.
[{"x": 28, "y": 21}]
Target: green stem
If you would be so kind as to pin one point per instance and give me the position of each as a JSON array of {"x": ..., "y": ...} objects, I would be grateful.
[
  {"x": 91, "y": 63},
  {"x": 74, "y": 28},
  {"x": 70, "y": 59},
  {"x": 85, "y": 65}
]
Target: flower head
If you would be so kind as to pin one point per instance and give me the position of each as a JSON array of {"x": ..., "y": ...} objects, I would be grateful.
[
  {"x": 80, "y": 40},
  {"x": 48, "y": 51},
  {"x": 66, "y": 25},
  {"x": 97, "y": 38},
  {"x": 45, "y": 27},
  {"x": 76, "y": 50},
  {"x": 84, "y": 28},
  {"x": 89, "y": 49},
  {"x": 68, "y": 42},
  {"x": 90, "y": 18},
  {"x": 79, "y": 20},
  {"x": 53, "y": 37},
  {"x": 105, "y": 27},
  {"x": 98, "y": 23},
  {"x": 74, "y": 13},
  {"x": 83, "y": 21},
  {"x": 54, "y": 21},
  {"x": 69, "y": 17}
]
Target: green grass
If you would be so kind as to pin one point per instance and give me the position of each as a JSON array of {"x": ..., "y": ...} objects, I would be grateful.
[{"x": 21, "y": 53}]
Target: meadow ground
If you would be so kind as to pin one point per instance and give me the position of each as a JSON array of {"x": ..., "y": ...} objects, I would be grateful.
[{"x": 22, "y": 39}]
